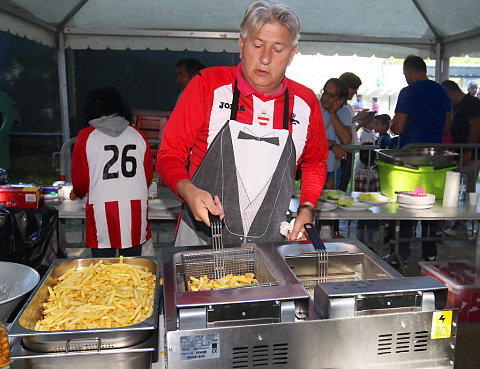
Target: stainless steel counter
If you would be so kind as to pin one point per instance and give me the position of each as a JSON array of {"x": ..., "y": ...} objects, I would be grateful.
[{"x": 392, "y": 212}]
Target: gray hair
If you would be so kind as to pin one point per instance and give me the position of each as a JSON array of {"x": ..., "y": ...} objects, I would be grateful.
[
  {"x": 475, "y": 83},
  {"x": 261, "y": 12}
]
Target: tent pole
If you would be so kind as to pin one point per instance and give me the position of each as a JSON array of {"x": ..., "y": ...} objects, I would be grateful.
[
  {"x": 442, "y": 64},
  {"x": 438, "y": 61},
  {"x": 62, "y": 80}
]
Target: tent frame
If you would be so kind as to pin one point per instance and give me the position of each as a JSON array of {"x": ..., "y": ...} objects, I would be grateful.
[{"x": 436, "y": 46}]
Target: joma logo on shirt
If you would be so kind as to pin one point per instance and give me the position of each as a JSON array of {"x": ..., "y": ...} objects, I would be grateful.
[
  {"x": 293, "y": 120},
  {"x": 226, "y": 105}
]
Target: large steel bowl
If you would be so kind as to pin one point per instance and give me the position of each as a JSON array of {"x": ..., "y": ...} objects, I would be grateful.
[
  {"x": 16, "y": 280},
  {"x": 417, "y": 156}
]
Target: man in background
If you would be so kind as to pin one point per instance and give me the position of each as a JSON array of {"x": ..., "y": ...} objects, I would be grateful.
[
  {"x": 9, "y": 117},
  {"x": 358, "y": 104},
  {"x": 421, "y": 115},
  {"x": 465, "y": 128},
  {"x": 186, "y": 69},
  {"x": 472, "y": 88}
]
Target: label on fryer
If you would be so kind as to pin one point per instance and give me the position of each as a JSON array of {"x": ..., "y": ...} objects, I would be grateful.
[
  {"x": 205, "y": 346},
  {"x": 441, "y": 324}
]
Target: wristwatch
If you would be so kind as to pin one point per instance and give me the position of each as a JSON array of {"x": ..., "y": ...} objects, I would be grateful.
[
  {"x": 331, "y": 145},
  {"x": 305, "y": 206}
]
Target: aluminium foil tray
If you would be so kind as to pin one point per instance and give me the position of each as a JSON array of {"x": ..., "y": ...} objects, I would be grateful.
[{"x": 87, "y": 339}]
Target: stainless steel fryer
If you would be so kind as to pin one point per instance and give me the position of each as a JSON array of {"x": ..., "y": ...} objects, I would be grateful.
[
  {"x": 345, "y": 263},
  {"x": 275, "y": 298},
  {"x": 366, "y": 315},
  {"x": 88, "y": 339}
]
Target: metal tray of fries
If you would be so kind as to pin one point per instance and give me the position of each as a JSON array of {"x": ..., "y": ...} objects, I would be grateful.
[{"x": 82, "y": 339}]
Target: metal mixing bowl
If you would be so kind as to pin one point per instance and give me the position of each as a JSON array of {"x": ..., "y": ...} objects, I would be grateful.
[{"x": 16, "y": 280}]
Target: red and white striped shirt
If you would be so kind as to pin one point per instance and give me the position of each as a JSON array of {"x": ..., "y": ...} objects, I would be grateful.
[
  {"x": 115, "y": 172},
  {"x": 205, "y": 106}
]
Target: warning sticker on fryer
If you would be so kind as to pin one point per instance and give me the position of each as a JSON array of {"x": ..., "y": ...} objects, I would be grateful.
[
  {"x": 441, "y": 324},
  {"x": 205, "y": 346}
]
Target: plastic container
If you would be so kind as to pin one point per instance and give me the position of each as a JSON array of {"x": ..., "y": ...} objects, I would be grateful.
[
  {"x": 395, "y": 178},
  {"x": 463, "y": 281},
  {"x": 51, "y": 195},
  {"x": 462, "y": 189}
]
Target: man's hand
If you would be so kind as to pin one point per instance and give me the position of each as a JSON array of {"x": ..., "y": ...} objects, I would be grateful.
[
  {"x": 339, "y": 152},
  {"x": 200, "y": 202},
  {"x": 304, "y": 216},
  {"x": 467, "y": 155},
  {"x": 336, "y": 106},
  {"x": 72, "y": 196},
  {"x": 361, "y": 115}
]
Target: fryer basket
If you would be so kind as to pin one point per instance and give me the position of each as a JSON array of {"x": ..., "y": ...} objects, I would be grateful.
[{"x": 237, "y": 261}]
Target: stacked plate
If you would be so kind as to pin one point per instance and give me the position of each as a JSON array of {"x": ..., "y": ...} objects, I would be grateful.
[{"x": 409, "y": 201}]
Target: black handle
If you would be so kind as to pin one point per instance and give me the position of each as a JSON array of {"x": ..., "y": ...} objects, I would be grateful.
[
  {"x": 314, "y": 237},
  {"x": 445, "y": 166},
  {"x": 213, "y": 218}
]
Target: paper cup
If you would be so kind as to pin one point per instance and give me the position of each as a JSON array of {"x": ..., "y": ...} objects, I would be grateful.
[{"x": 472, "y": 198}]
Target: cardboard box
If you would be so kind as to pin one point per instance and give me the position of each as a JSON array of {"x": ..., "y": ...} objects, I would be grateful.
[
  {"x": 21, "y": 197},
  {"x": 463, "y": 281}
]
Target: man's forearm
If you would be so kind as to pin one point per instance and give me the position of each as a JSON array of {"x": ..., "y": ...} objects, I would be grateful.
[{"x": 343, "y": 132}]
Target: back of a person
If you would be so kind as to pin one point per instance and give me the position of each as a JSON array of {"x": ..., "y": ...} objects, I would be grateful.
[
  {"x": 117, "y": 190},
  {"x": 467, "y": 109},
  {"x": 428, "y": 105}
]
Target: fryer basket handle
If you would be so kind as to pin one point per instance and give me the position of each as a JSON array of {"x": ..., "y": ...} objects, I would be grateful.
[{"x": 314, "y": 237}]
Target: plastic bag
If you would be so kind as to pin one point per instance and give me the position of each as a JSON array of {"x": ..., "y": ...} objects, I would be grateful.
[
  {"x": 30, "y": 237},
  {"x": 147, "y": 248}
]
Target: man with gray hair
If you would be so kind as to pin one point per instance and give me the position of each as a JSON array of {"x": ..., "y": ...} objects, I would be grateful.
[
  {"x": 472, "y": 88},
  {"x": 245, "y": 131}
]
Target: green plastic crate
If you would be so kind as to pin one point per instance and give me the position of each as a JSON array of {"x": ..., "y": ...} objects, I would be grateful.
[{"x": 397, "y": 178}]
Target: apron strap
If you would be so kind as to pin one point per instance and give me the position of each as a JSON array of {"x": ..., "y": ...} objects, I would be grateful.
[
  {"x": 285, "y": 110},
  {"x": 236, "y": 98}
]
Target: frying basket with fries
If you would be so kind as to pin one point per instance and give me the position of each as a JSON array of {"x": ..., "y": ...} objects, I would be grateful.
[{"x": 237, "y": 261}]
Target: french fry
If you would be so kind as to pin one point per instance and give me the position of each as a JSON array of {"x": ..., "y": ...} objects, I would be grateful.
[
  {"x": 204, "y": 283},
  {"x": 98, "y": 296}
]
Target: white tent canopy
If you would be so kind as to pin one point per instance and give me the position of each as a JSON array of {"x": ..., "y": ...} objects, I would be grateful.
[
  {"x": 369, "y": 27},
  {"x": 437, "y": 29}
]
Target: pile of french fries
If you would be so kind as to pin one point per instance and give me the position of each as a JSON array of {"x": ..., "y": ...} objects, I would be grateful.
[
  {"x": 99, "y": 296},
  {"x": 230, "y": 280}
]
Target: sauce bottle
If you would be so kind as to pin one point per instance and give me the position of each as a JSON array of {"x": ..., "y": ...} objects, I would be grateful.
[{"x": 4, "y": 348}]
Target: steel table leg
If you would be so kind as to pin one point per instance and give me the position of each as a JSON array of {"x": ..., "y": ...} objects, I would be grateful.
[
  {"x": 396, "y": 250},
  {"x": 477, "y": 259}
]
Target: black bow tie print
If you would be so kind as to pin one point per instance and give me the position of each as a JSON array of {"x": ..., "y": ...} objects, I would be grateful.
[{"x": 271, "y": 140}]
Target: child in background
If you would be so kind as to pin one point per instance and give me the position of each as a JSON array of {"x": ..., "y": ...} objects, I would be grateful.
[
  {"x": 382, "y": 124},
  {"x": 375, "y": 106},
  {"x": 366, "y": 131},
  {"x": 367, "y": 179}
]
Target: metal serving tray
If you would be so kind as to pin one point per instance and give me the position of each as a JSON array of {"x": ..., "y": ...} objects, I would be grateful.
[
  {"x": 418, "y": 156},
  {"x": 87, "y": 339}
]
